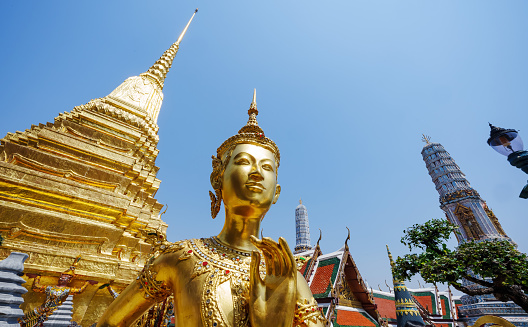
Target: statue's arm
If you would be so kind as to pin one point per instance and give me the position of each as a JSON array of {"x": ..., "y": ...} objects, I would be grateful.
[
  {"x": 127, "y": 307},
  {"x": 37, "y": 286},
  {"x": 75, "y": 290},
  {"x": 152, "y": 285},
  {"x": 306, "y": 311}
]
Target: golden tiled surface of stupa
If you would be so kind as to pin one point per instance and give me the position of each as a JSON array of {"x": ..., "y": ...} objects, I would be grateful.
[{"x": 84, "y": 184}]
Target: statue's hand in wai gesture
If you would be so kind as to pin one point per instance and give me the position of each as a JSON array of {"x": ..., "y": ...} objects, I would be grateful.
[{"x": 272, "y": 300}]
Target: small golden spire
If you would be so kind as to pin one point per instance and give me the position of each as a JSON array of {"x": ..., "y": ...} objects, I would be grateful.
[
  {"x": 252, "y": 124},
  {"x": 426, "y": 139},
  {"x": 254, "y": 102},
  {"x": 390, "y": 256},
  {"x": 180, "y": 38},
  {"x": 300, "y": 201},
  {"x": 253, "y": 111},
  {"x": 161, "y": 67}
]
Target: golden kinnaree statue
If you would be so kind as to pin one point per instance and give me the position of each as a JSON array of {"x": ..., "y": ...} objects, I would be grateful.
[{"x": 233, "y": 279}]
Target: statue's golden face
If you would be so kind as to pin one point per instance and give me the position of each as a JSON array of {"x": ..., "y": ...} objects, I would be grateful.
[{"x": 250, "y": 178}]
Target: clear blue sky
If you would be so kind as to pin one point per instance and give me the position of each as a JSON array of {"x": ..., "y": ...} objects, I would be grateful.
[{"x": 345, "y": 88}]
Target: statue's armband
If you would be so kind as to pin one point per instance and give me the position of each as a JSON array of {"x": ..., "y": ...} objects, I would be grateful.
[
  {"x": 307, "y": 313},
  {"x": 153, "y": 289}
]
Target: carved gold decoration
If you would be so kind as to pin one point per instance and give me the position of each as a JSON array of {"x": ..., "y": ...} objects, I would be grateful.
[
  {"x": 467, "y": 218},
  {"x": 460, "y": 194},
  {"x": 494, "y": 220},
  {"x": 346, "y": 297},
  {"x": 152, "y": 287}
]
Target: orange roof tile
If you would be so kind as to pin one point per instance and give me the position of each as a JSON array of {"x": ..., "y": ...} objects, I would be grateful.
[
  {"x": 386, "y": 307},
  {"x": 352, "y": 318},
  {"x": 321, "y": 279},
  {"x": 426, "y": 301}
]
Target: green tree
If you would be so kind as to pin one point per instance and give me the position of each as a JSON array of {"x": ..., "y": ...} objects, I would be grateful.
[{"x": 497, "y": 266}]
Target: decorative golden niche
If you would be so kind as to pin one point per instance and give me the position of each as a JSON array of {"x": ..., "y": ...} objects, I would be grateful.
[{"x": 467, "y": 218}]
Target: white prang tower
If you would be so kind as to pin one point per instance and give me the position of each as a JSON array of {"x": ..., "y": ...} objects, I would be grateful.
[
  {"x": 464, "y": 207},
  {"x": 302, "y": 230},
  {"x": 462, "y": 204}
]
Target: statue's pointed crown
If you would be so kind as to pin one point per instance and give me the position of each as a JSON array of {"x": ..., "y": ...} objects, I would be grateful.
[{"x": 250, "y": 133}]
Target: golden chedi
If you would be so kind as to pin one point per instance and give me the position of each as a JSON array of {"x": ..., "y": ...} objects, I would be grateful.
[
  {"x": 232, "y": 279},
  {"x": 85, "y": 184}
]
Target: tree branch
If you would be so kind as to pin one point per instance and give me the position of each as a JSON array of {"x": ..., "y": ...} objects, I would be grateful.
[
  {"x": 469, "y": 291},
  {"x": 478, "y": 281}
]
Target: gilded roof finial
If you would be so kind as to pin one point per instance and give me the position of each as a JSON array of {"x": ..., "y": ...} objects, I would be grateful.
[
  {"x": 300, "y": 200},
  {"x": 426, "y": 139},
  {"x": 348, "y": 237},
  {"x": 320, "y": 236},
  {"x": 161, "y": 67}
]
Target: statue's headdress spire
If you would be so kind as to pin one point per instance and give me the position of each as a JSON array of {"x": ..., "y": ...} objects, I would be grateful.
[
  {"x": 250, "y": 133},
  {"x": 161, "y": 67}
]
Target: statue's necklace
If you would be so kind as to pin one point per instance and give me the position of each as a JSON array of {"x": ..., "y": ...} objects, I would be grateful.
[{"x": 221, "y": 264}]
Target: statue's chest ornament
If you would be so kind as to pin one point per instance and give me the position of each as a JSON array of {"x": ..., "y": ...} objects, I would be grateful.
[
  {"x": 56, "y": 294},
  {"x": 221, "y": 264}
]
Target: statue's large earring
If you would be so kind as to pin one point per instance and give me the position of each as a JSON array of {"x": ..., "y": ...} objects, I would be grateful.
[
  {"x": 216, "y": 202},
  {"x": 277, "y": 193}
]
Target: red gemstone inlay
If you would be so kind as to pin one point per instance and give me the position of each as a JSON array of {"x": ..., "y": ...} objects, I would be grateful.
[
  {"x": 227, "y": 272},
  {"x": 190, "y": 251},
  {"x": 204, "y": 263}
]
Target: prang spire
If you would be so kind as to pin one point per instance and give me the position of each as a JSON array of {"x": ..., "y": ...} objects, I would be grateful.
[
  {"x": 161, "y": 67},
  {"x": 302, "y": 229}
]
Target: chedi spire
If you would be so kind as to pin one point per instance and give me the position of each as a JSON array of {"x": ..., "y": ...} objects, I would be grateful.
[
  {"x": 161, "y": 67},
  {"x": 142, "y": 95}
]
